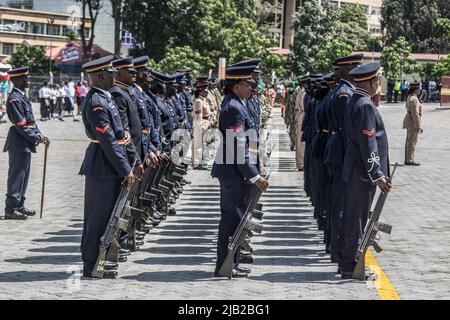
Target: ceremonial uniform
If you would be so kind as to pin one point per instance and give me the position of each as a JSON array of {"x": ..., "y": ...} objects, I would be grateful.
[
  {"x": 23, "y": 137},
  {"x": 299, "y": 115},
  {"x": 104, "y": 165},
  {"x": 129, "y": 114},
  {"x": 335, "y": 151},
  {"x": 366, "y": 161},
  {"x": 413, "y": 124},
  {"x": 236, "y": 171}
]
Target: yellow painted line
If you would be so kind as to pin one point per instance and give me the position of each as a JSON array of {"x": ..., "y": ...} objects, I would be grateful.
[{"x": 382, "y": 284}]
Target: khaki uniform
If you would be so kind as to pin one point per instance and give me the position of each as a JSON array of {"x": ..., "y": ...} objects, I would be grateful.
[
  {"x": 299, "y": 145},
  {"x": 214, "y": 109},
  {"x": 200, "y": 125},
  {"x": 412, "y": 123}
]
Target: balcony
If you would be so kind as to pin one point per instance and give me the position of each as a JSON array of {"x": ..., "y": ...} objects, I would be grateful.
[{"x": 21, "y": 4}]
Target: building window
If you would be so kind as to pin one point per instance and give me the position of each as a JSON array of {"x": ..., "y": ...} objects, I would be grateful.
[
  {"x": 53, "y": 30},
  {"x": 7, "y": 49},
  {"x": 37, "y": 28},
  {"x": 376, "y": 11},
  {"x": 365, "y": 9},
  {"x": 334, "y": 3}
]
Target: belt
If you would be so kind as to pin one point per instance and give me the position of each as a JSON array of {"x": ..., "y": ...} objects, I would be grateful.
[
  {"x": 122, "y": 142},
  {"x": 325, "y": 130},
  {"x": 31, "y": 126},
  {"x": 145, "y": 131}
]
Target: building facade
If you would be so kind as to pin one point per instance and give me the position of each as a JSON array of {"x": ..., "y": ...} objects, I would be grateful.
[
  {"x": 104, "y": 28},
  {"x": 38, "y": 28},
  {"x": 281, "y": 19}
]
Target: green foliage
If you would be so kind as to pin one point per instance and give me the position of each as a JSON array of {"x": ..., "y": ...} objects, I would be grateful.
[
  {"x": 394, "y": 58},
  {"x": 32, "y": 56},
  {"x": 442, "y": 68},
  {"x": 333, "y": 50},
  {"x": 419, "y": 21},
  {"x": 71, "y": 35},
  {"x": 198, "y": 32},
  {"x": 325, "y": 32}
]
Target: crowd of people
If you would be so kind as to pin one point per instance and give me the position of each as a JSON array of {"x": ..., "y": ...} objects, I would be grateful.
[
  {"x": 59, "y": 100},
  {"x": 429, "y": 91}
]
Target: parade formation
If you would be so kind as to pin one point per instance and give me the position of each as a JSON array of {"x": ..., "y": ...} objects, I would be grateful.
[{"x": 146, "y": 129}]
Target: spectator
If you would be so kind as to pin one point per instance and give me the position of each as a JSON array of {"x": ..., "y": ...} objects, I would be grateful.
[
  {"x": 44, "y": 98},
  {"x": 53, "y": 99},
  {"x": 404, "y": 87},
  {"x": 432, "y": 89},
  {"x": 390, "y": 90},
  {"x": 396, "y": 90}
]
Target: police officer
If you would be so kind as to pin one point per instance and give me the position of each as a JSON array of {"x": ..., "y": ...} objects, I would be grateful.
[
  {"x": 168, "y": 124},
  {"x": 106, "y": 165},
  {"x": 23, "y": 137},
  {"x": 235, "y": 175},
  {"x": 335, "y": 149},
  {"x": 412, "y": 123},
  {"x": 187, "y": 94},
  {"x": 366, "y": 162},
  {"x": 150, "y": 135}
]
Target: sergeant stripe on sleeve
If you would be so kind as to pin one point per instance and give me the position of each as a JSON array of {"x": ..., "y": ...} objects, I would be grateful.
[
  {"x": 22, "y": 122},
  {"x": 102, "y": 130},
  {"x": 368, "y": 133}
]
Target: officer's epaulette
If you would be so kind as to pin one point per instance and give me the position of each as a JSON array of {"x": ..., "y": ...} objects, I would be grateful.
[
  {"x": 99, "y": 102},
  {"x": 344, "y": 91}
]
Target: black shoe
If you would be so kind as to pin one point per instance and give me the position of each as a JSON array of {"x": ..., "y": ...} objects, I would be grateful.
[
  {"x": 140, "y": 237},
  {"x": 139, "y": 242},
  {"x": 60, "y": 119},
  {"x": 243, "y": 269},
  {"x": 246, "y": 258},
  {"x": 239, "y": 274},
  {"x": 139, "y": 233},
  {"x": 187, "y": 182},
  {"x": 148, "y": 226},
  {"x": 153, "y": 221},
  {"x": 76, "y": 120},
  {"x": 27, "y": 212},
  {"x": 122, "y": 258},
  {"x": 172, "y": 212},
  {"x": 111, "y": 266},
  {"x": 157, "y": 216},
  {"x": 415, "y": 164},
  {"x": 346, "y": 275},
  {"x": 124, "y": 252},
  {"x": 107, "y": 274},
  {"x": 15, "y": 215}
]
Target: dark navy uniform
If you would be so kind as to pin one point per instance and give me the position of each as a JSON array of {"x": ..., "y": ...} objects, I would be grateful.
[
  {"x": 131, "y": 122},
  {"x": 105, "y": 163},
  {"x": 152, "y": 106},
  {"x": 236, "y": 166},
  {"x": 335, "y": 151},
  {"x": 23, "y": 137},
  {"x": 366, "y": 161},
  {"x": 150, "y": 137}
]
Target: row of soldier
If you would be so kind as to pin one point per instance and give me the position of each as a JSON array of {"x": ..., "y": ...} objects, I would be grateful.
[
  {"x": 342, "y": 147},
  {"x": 130, "y": 116}
]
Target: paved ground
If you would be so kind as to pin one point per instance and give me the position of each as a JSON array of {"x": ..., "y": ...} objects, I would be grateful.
[{"x": 38, "y": 257}]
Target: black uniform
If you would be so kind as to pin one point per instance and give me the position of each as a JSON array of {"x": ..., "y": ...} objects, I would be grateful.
[
  {"x": 366, "y": 160},
  {"x": 104, "y": 165},
  {"x": 23, "y": 137}
]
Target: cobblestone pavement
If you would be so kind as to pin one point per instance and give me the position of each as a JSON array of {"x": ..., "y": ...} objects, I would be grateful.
[{"x": 37, "y": 257}]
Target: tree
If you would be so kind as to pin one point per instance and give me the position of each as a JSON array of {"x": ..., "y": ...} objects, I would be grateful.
[
  {"x": 119, "y": 12},
  {"x": 354, "y": 28},
  {"x": 90, "y": 9},
  {"x": 394, "y": 57},
  {"x": 442, "y": 68},
  {"x": 315, "y": 26},
  {"x": 32, "y": 56},
  {"x": 416, "y": 21},
  {"x": 210, "y": 28},
  {"x": 334, "y": 49}
]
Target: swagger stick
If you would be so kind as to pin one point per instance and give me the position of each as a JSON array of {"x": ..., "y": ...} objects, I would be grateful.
[{"x": 43, "y": 180}]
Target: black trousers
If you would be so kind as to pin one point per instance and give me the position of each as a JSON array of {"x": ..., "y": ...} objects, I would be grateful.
[
  {"x": 358, "y": 200},
  {"x": 100, "y": 197},
  {"x": 336, "y": 211},
  {"x": 45, "y": 108},
  {"x": 18, "y": 174},
  {"x": 234, "y": 200}
]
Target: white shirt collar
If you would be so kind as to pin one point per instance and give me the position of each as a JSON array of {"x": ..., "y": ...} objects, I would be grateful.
[{"x": 139, "y": 87}]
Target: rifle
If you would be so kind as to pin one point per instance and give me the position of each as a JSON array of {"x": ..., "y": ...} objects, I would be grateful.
[
  {"x": 108, "y": 242},
  {"x": 245, "y": 227},
  {"x": 371, "y": 234},
  {"x": 134, "y": 214}
]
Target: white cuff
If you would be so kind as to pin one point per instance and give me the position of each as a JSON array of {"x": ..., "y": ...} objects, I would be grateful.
[{"x": 254, "y": 179}]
